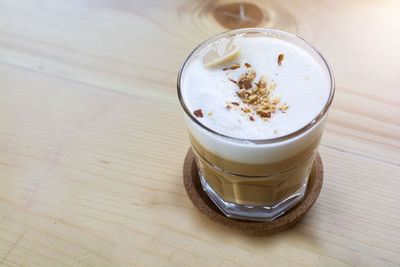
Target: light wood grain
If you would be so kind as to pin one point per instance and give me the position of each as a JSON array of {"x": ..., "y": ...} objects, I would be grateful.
[{"x": 92, "y": 138}]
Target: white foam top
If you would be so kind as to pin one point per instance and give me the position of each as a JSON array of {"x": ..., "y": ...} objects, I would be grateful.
[{"x": 300, "y": 81}]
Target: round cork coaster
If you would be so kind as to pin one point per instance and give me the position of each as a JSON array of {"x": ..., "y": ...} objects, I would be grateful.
[{"x": 201, "y": 201}]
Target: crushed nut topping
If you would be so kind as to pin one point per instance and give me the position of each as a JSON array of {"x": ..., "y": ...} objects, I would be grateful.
[
  {"x": 256, "y": 97},
  {"x": 244, "y": 84},
  {"x": 283, "y": 107},
  {"x": 233, "y": 81},
  {"x": 209, "y": 113},
  {"x": 261, "y": 84},
  {"x": 234, "y": 66},
  {"x": 247, "y": 65},
  {"x": 280, "y": 58},
  {"x": 198, "y": 113},
  {"x": 249, "y": 75},
  {"x": 224, "y": 69},
  {"x": 265, "y": 114}
]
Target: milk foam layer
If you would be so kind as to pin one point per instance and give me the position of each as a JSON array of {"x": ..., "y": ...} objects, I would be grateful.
[{"x": 301, "y": 82}]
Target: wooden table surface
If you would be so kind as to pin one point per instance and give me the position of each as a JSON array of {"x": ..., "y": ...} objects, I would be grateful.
[{"x": 92, "y": 137}]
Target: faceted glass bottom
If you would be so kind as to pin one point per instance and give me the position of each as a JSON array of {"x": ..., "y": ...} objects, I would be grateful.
[{"x": 253, "y": 213}]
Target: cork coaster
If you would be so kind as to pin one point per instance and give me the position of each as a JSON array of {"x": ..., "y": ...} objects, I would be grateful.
[{"x": 201, "y": 201}]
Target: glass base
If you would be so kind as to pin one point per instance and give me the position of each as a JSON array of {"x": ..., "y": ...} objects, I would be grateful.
[{"x": 253, "y": 213}]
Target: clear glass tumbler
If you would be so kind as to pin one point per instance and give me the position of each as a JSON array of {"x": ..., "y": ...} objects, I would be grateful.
[{"x": 260, "y": 189}]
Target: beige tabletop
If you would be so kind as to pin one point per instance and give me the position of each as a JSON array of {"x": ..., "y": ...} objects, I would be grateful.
[{"x": 92, "y": 137}]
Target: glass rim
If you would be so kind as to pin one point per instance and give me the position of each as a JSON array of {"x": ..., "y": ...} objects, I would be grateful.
[{"x": 296, "y": 133}]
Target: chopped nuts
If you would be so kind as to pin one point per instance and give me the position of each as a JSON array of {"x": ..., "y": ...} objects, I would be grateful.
[
  {"x": 209, "y": 113},
  {"x": 198, "y": 113},
  {"x": 252, "y": 99},
  {"x": 256, "y": 97},
  {"x": 224, "y": 69},
  {"x": 265, "y": 114},
  {"x": 250, "y": 75},
  {"x": 280, "y": 58},
  {"x": 261, "y": 84},
  {"x": 244, "y": 83},
  {"x": 241, "y": 93},
  {"x": 283, "y": 107},
  {"x": 234, "y": 66}
]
